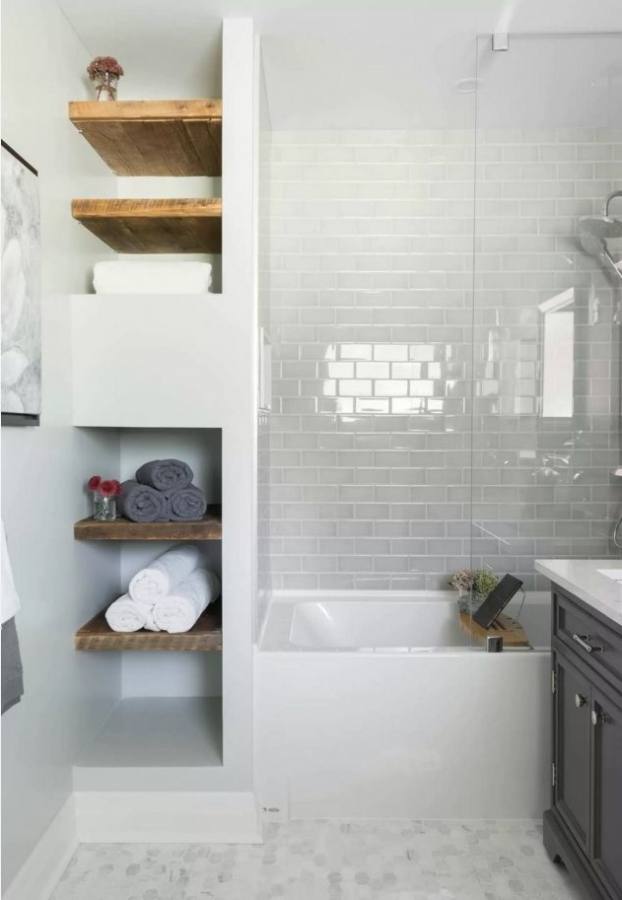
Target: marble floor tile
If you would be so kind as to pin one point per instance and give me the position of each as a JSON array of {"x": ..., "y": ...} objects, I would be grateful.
[{"x": 328, "y": 860}]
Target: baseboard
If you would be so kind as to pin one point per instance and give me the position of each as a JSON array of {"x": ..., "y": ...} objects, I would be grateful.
[
  {"x": 42, "y": 870},
  {"x": 170, "y": 817}
]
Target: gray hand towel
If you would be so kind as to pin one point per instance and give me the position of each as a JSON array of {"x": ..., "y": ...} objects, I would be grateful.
[
  {"x": 187, "y": 504},
  {"x": 12, "y": 674},
  {"x": 165, "y": 474},
  {"x": 141, "y": 503}
]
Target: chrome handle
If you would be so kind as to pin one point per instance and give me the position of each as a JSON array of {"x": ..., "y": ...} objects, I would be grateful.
[
  {"x": 579, "y": 701},
  {"x": 583, "y": 641},
  {"x": 599, "y": 718}
]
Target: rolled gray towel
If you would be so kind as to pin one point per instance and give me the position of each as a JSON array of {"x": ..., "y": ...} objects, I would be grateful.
[
  {"x": 141, "y": 503},
  {"x": 165, "y": 474},
  {"x": 187, "y": 504}
]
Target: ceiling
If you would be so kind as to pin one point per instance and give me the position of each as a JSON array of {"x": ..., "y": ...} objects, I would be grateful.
[{"x": 382, "y": 64}]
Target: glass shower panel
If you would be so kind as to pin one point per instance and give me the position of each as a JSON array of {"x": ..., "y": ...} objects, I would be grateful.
[{"x": 547, "y": 294}]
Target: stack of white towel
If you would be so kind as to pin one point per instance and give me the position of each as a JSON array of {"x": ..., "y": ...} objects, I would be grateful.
[
  {"x": 168, "y": 595},
  {"x": 139, "y": 276}
]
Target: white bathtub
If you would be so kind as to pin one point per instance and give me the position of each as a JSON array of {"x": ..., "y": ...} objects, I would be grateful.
[{"x": 372, "y": 705}]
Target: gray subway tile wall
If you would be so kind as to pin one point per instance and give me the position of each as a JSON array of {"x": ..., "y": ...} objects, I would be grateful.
[{"x": 407, "y": 436}]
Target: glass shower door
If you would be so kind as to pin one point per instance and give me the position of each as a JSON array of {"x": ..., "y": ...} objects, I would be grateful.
[{"x": 547, "y": 295}]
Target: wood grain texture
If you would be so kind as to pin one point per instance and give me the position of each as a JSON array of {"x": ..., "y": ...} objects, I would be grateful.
[
  {"x": 154, "y": 137},
  {"x": 505, "y": 627},
  {"x": 204, "y": 636},
  {"x": 207, "y": 529},
  {"x": 154, "y": 226}
]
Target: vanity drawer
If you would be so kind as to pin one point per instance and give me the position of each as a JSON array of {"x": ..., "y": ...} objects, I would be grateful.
[{"x": 591, "y": 639}]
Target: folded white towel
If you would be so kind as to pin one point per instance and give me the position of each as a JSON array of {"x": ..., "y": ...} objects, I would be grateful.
[
  {"x": 180, "y": 610},
  {"x": 147, "y": 277},
  {"x": 162, "y": 575}
]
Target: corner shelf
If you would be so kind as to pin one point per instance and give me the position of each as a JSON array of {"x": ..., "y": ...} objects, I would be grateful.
[
  {"x": 154, "y": 226},
  {"x": 209, "y": 528},
  {"x": 204, "y": 636},
  {"x": 153, "y": 137}
]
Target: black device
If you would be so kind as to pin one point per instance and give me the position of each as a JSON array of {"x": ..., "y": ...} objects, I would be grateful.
[{"x": 497, "y": 600}]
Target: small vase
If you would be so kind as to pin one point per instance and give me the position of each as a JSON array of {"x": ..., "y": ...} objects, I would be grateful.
[
  {"x": 104, "y": 508},
  {"x": 106, "y": 85},
  {"x": 469, "y": 602}
]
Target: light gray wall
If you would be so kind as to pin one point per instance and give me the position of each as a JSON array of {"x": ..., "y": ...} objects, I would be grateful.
[
  {"x": 61, "y": 583},
  {"x": 369, "y": 271}
]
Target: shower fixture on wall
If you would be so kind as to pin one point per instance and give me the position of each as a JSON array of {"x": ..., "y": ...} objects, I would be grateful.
[{"x": 595, "y": 231}]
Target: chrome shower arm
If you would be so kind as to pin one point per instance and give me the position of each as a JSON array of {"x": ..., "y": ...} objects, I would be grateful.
[{"x": 610, "y": 198}]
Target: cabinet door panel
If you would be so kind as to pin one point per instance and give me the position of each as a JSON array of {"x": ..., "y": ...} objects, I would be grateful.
[
  {"x": 607, "y": 756},
  {"x": 572, "y": 749}
]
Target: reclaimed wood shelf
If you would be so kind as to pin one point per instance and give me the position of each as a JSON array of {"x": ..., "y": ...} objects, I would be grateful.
[
  {"x": 204, "y": 636},
  {"x": 504, "y": 626},
  {"x": 154, "y": 226},
  {"x": 209, "y": 528},
  {"x": 153, "y": 137}
]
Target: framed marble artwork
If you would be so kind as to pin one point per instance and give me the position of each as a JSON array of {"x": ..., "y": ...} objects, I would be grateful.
[{"x": 21, "y": 291}]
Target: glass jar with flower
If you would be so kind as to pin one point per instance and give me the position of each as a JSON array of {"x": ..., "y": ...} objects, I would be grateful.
[
  {"x": 104, "y": 493},
  {"x": 104, "y": 72}
]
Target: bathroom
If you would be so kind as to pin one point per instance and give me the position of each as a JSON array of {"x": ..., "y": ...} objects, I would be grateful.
[{"x": 398, "y": 392}]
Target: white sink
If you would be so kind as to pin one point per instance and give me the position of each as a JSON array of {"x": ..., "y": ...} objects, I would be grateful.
[{"x": 614, "y": 574}]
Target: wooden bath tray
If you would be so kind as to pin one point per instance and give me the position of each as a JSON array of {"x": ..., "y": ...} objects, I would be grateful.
[{"x": 505, "y": 627}]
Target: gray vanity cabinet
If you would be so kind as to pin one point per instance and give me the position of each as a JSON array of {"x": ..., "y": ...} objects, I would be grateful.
[
  {"x": 607, "y": 823},
  {"x": 571, "y": 772},
  {"x": 583, "y": 827}
]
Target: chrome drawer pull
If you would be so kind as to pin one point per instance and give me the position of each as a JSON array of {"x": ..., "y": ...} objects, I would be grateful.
[
  {"x": 583, "y": 641},
  {"x": 579, "y": 701}
]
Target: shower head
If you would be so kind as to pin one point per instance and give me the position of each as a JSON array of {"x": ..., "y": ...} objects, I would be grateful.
[{"x": 594, "y": 232}]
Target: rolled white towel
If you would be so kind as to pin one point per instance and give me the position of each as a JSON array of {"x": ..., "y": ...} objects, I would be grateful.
[
  {"x": 151, "y": 277},
  {"x": 178, "y": 611},
  {"x": 162, "y": 575},
  {"x": 126, "y": 614}
]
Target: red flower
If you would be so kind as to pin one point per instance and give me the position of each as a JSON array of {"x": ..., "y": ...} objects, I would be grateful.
[
  {"x": 94, "y": 482},
  {"x": 107, "y": 488},
  {"x": 117, "y": 488}
]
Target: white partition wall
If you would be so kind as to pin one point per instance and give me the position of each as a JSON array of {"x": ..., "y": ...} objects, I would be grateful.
[{"x": 163, "y": 366}]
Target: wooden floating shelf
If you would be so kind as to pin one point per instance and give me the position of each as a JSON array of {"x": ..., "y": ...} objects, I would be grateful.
[
  {"x": 154, "y": 226},
  {"x": 505, "y": 627},
  {"x": 207, "y": 529},
  {"x": 153, "y": 137},
  {"x": 204, "y": 636}
]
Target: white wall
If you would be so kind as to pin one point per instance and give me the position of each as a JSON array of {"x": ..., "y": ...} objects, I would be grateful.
[{"x": 61, "y": 583}]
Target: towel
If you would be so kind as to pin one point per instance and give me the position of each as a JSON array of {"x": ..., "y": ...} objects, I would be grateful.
[
  {"x": 178, "y": 611},
  {"x": 127, "y": 615},
  {"x": 151, "y": 277},
  {"x": 9, "y": 597},
  {"x": 187, "y": 504},
  {"x": 12, "y": 674},
  {"x": 165, "y": 474},
  {"x": 164, "y": 573},
  {"x": 141, "y": 503}
]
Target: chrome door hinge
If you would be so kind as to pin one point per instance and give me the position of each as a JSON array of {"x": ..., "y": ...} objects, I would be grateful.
[
  {"x": 553, "y": 682},
  {"x": 553, "y": 774}
]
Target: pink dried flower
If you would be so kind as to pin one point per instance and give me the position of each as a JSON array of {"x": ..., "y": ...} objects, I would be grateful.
[
  {"x": 463, "y": 580},
  {"x": 103, "y": 65}
]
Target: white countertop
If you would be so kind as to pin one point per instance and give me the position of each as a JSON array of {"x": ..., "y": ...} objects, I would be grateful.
[{"x": 582, "y": 578}]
